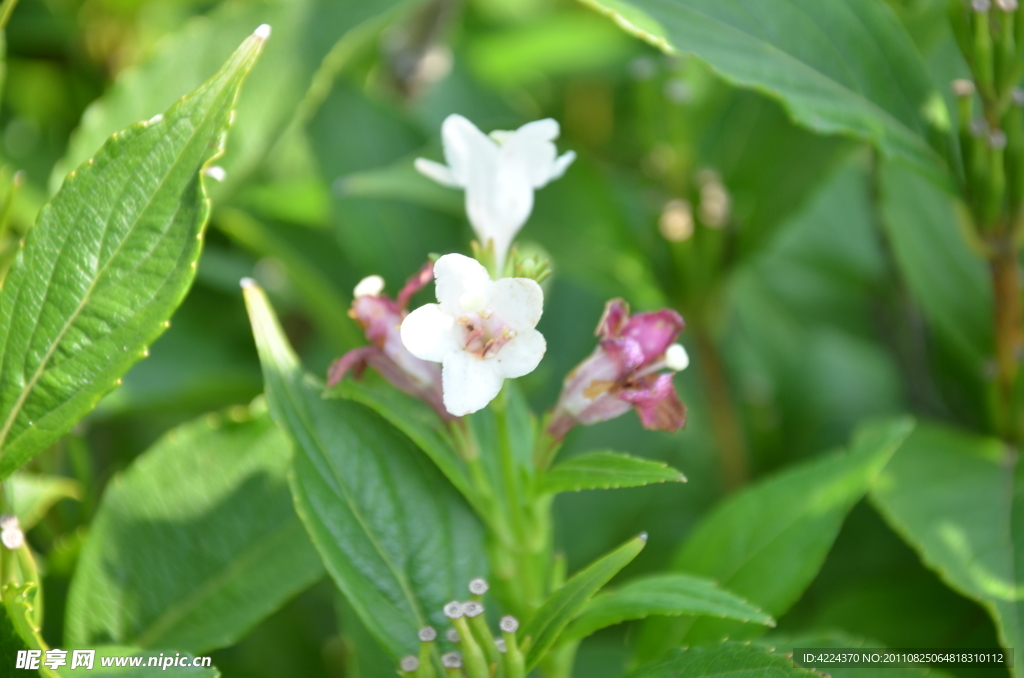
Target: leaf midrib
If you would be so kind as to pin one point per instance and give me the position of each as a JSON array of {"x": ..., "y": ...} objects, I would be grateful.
[{"x": 43, "y": 364}]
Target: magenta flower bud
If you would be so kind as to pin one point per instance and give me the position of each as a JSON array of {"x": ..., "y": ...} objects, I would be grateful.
[
  {"x": 624, "y": 372},
  {"x": 380, "y": 316}
]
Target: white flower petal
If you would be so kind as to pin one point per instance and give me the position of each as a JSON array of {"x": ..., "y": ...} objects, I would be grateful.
[
  {"x": 436, "y": 171},
  {"x": 562, "y": 164},
  {"x": 540, "y": 130},
  {"x": 470, "y": 153},
  {"x": 454, "y": 275},
  {"x": 521, "y": 355},
  {"x": 468, "y": 382},
  {"x": 429, "y": 333},
  {"x": 530, "y": 153},
  {"x": 519, "y": 302}
]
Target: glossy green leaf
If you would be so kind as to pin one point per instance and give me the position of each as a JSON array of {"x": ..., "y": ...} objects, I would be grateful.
[
  {"x": 669, "y": 595},
  {"x": 562, "y": 606},
  {"x": 768, "y": 542},
  {"x": 605, "y": 470},
  {"x": 395, "y": 536},
  {"x": 955, "y": 498},
  {"x": 108, "y": 261},
  {"x": 195, "y": 543},
  {"x": 839, "y": 67},
  {"x": 32, "y": 495},
  {"x": 304, "y": 33},
  {"x": 726, "y": 660},
  {"x": 416, "y": 420}
]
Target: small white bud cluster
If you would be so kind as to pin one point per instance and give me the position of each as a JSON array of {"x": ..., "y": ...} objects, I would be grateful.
[
  {"x": 453, "y": 610},
  {"x": 478, "y": 586},
  {"x": 1007, "y": 5},
  {"x": 11, "y": 535},
  {"x": 509, "y": 624},
  {"x": 997, "y": 139},
  {"x": 451, "y": 660},
  {"x": 427, "y": 634},
  {"x": 714, "y": 200},
  {"x": 452, "y": 636},
  {"x": 500, "y": 643},
  {"x": 409, "y": 663},
  {"x": 981, "y": 5},
  {"x": 472, "y": 609},
  {"x": 676, "y": 221}
]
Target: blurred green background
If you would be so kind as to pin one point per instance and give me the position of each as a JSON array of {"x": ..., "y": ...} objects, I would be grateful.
[{"x": 772, "y": 242}]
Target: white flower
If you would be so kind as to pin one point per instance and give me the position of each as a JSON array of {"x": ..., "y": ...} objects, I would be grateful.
[
  {"x": 481, "y": 331},
  {"x": 499, "y": 172}
]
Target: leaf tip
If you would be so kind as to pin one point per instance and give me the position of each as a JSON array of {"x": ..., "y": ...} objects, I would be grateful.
[
  {"x": 248, "y": 284},
  {"x": 642, "y": 537},
  {"x": 263, "y": 32}
]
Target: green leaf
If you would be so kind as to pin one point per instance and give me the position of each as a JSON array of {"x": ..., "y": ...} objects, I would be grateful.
[
  {"x": 108, "y": 261},
  {"x": 950, "y": 281},
  {"x": 726, "y": 660},
  {"x": 663, "y": 595},
  {"x": 605, "y": 470},
  {"x": 195, "y": 543},
  {"x": 393, "y": 533},
  {"x": 839, "y": 67},
  {"x": 562, "y": 606},
  {"x": 32, "y": 495},
  {"x": 768, "y": 542},
  {"x": 839, "y": 639},
  {"x": 304, "y": 33},
  {"x": 416, "y": 420},
  {"x": 955, "y": 498}
]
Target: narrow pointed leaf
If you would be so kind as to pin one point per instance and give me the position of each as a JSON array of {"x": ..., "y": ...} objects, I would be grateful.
[
  {"x": 415, "y": 420},
  {"x": 670, "y": 595},
  {"x": 107, "y": 262},
  {"x": 195, "y": 543},
  {"x": 395, "y": 536},
  {"x": 562, "y": 606},
  {"x": 605, "y": 470},
  {"x": 725, "y": 660},
  {"x": 838, "y": 66},
  {"x": 956, "y": 499}
]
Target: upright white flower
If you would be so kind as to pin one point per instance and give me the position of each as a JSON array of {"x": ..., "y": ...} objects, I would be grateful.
[
  {"x": 481, "y": 331},
  {"x": 499, "y": 172}
]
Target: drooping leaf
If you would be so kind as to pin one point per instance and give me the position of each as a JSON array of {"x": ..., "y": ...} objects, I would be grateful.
[
  {"x": 839, "y": 67},
  {"x": 955, "y": 498},
  {"x": 669, "y": 595},
  {"x": 725, "y": 660},
  {"x": 604, "y": 470},
  {"x": 395, "y": 536},
  {"x": 768, "y": 542},
  {"x": 31, "y": 495},
  {"x": 548, "y": 622},
  {"x": 195, "y": 543},
  {"x": 108, "y": 261}
]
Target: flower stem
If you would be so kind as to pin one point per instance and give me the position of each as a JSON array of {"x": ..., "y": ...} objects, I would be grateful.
[
  {"x": 1009, "y": 332},
  {"x": 725, "y": 423}
]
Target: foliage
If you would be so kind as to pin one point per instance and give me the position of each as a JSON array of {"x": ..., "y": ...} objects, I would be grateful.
[{"x": 819, "y": 204}]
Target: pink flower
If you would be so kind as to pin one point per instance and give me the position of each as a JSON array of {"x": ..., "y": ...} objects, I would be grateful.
[
  {"x": 623, "y": 372},
  {"x": 381, "y": 317}
]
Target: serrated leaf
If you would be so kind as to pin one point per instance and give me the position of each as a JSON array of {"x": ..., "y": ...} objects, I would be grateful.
[
  {"x": 395, "y": 536},
  {"x": 31, "y": 495},
  {"x": 108, "y": 261},
  {"x": 726, "y": 660},
  {"x": 562, "y": 606},
  {"x": 956, "y": 499},
  {"x": 195, "y": 543},
  {"x": 838, "y": 66},
  {"x": 605, "y": 470},
  {"x": 413, "y": 418},
  {"x": 670, "y": 595},
  {"x": 768, "y": 542}
]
